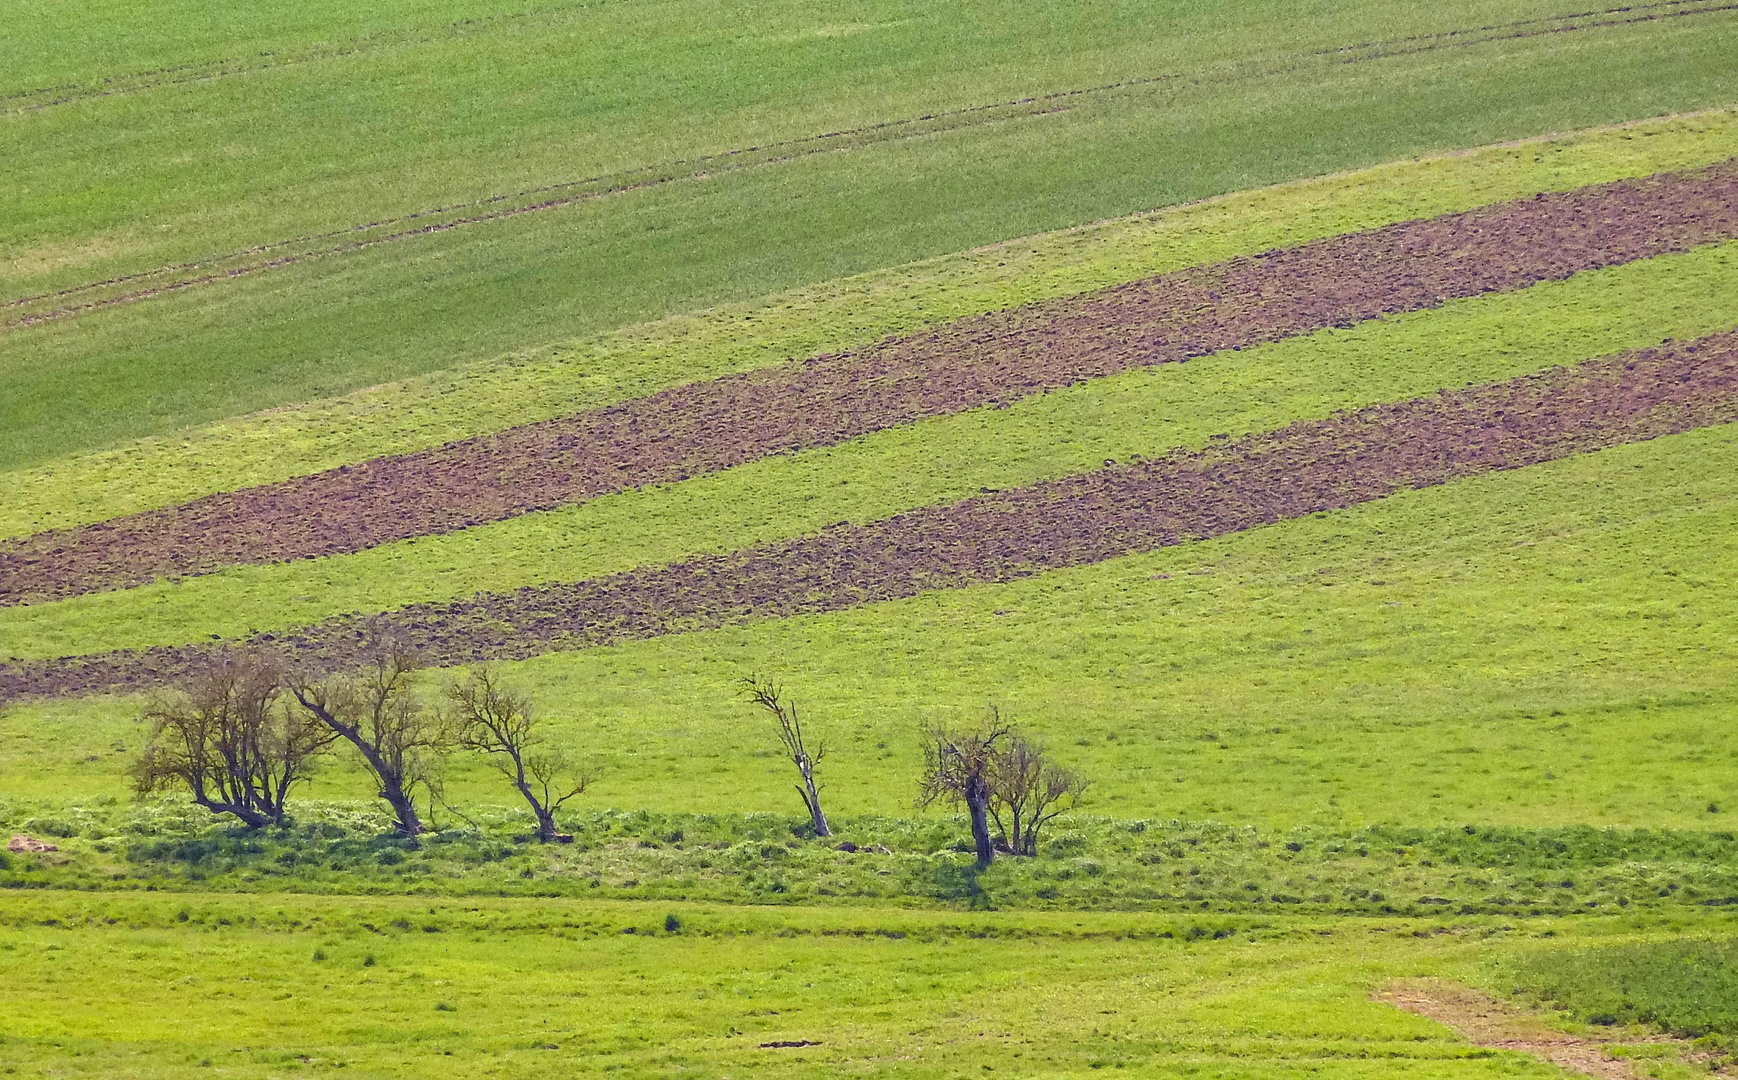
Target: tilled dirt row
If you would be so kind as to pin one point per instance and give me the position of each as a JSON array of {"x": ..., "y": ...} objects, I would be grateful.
[
  {"x": 988, "y": 360},
  {"x": 1002, "y": 536}
]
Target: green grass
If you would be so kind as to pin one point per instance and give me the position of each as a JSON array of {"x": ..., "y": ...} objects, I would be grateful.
[
  {"x": 373, "y": 133},
  {"x": 1084, "y": 863},
  {"x": 1144, "y": 412},
  {"x": 100, "y": 986},
  {"x": 1548, "y": 646},
  {"x": 1688, "y": 988},
  {"x": 1398, "y": 741}
]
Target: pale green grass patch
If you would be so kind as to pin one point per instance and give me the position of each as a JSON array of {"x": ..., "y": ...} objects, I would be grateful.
[{"x": 538, "y": 988}]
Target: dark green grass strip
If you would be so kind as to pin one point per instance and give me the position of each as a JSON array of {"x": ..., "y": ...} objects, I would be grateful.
[
  {"x": 1688, "y": 988},
  {"x": 73, "y": 301}
]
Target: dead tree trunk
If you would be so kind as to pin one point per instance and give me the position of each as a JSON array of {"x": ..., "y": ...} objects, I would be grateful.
[{"x": 790, "y": 728}]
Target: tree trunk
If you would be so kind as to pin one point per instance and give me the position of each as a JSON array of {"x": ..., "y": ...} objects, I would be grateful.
[
  {"x": 812, "y": 797},
  {"x": 404, "y": 808},
  {"x": 546, "y": 831},
  {"x": 978, "y": 802},
  {"x": 249, "y": 817}
]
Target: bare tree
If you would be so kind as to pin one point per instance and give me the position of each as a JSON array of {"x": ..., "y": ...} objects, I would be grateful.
[
  {"x": 230, "y": 737},
  {"x": 491, "y": 718},
  {"x": 1029, "y": 790},
  {"x": 959, "y": 766},
  {"x": 379, "y": 713},
  {"x": 768, "y": 696}
]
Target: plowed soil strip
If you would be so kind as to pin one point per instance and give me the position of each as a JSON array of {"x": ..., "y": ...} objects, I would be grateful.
[
  {"x": 1307, "y": 468},
  {"x": 992, "y": 359}
]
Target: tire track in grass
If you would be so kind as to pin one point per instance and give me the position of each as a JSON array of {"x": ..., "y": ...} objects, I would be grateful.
[
  {"x": 713, "y": 425},
  {"x": 38, "y": 99},
  {"x": 143, "y": 285},
  {"x": 1307, "y": 468}
]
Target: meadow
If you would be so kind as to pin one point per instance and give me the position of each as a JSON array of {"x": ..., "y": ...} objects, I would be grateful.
[
  {"x": 389, "y": 987},
  {"x": 1466, "y": 736}
]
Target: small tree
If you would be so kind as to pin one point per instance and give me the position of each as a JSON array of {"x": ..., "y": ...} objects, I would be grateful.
[
  {"x": 379, "y": 713},
  {"x": 231, "y": 739},
  {"x": 1029, "y": 790},
  {"x": 959, "y": 766},
  {"x": 790, "y": 732},
  {"x": 493, "y": 719}
]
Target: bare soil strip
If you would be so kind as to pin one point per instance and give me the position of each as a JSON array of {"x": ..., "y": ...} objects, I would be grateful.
[
  {"x": 990, "y": 360},
  {"x": 1488, "y": 1022},
  {"x": 160, "y": 281},
  {"x": 1310, "y": 467}
]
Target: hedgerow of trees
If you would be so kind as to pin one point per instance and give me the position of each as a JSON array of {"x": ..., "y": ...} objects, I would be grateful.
[{"x": 245, "y": 730}]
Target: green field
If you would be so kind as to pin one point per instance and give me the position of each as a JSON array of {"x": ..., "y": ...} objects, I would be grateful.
[
  {"x": 353, "y": 131},
  {"x": 1475, "y": 735},
  {"x": 515, "y": 988}
]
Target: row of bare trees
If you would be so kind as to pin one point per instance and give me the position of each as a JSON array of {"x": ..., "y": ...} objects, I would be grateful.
[
  {"x": 1001, "y": 777},
  {"x": 248, "y": 728}
]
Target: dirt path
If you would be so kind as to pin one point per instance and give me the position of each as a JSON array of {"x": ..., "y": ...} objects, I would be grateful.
[
  {"x": 1486, "y": 1021},
  {"x": 1310, "y": 467},
  {"x": 990, "y": 360}
]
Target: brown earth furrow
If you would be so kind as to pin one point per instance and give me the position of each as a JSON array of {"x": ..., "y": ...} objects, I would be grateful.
[
  {"x": 992, "y": 359},
  {"x": 1310, "y": 467}
]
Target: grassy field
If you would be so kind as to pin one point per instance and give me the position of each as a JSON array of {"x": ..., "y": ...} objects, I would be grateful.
[
  {"x": 387, "y": 987},
  {"x": 370, "y": 138},
  {"x": 1477, "y": 732}
]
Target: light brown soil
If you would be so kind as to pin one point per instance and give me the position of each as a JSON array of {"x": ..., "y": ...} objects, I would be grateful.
[{"x": 1488, "y": 1022}]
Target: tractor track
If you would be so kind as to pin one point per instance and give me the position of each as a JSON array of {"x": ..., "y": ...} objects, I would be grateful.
[{"x": 141, "y": 286}]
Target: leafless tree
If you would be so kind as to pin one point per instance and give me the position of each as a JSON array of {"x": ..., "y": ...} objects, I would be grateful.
[
  {"x": 380, "y": 714},
  {"x": 1027, "y": 791},
  {"x": 231, "y": 738},
  {"x": 490, "y": 717},
  {"x": 768, "y": 696},
  {"x": 959, "y": 766}
]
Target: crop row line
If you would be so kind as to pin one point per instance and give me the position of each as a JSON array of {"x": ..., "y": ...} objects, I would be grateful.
[{"x": 354, "y": 238}]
